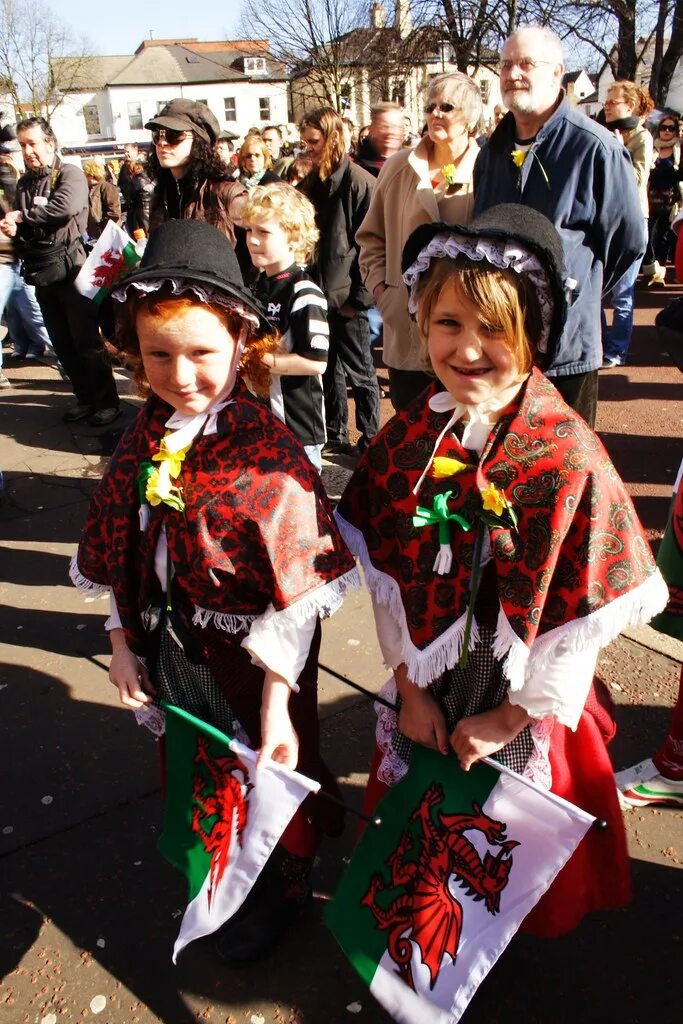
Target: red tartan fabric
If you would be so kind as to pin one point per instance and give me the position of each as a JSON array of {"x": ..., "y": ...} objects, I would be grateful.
[
  {"x": 257, "y": 527},
  {"x": 579, "y": 544}
]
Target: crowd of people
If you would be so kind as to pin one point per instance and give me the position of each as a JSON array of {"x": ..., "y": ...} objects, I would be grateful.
[{"x": 485, "y": 264}]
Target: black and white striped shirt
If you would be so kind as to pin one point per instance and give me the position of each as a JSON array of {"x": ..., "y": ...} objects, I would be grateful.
[{"x": 297, "y": 306}]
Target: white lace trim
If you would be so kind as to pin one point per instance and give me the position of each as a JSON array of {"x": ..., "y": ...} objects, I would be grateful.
[
  {"x": 323, "y": 601},
  {"x": 82, "y": 583},
  {"x": 152, "y": 717},
  {"x": 503, "y": 255},
  {"x": 212, "y": 296},
  {"x": 538, "y": 766},
  {"x": 391, "y": 768}
]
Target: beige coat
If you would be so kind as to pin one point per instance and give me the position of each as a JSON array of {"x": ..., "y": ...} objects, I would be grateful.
[
  {"x": 640, "y": 145},
  {"x": 403, "y": 199}
]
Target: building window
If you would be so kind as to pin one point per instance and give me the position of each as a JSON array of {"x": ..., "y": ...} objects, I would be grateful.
[
  {"x": 230, "y": 108},
  {"x": 160, "y": 105},
  {"x": 135, "y": 116},
  {"x": 255, "y": 65},
  {"x": 264, "y": 108},
  {"x": 91, "y": 116},
  {"x": 345, "y": 96},
  {"x": 485, "y": 90},
  {"x": 398, "y": 94}
]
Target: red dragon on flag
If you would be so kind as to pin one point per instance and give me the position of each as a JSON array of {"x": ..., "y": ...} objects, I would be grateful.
[
  {"x": 221, "y": 795},
  {"x": 427, "y": 912},
  {"x": 108, "y": 272}
]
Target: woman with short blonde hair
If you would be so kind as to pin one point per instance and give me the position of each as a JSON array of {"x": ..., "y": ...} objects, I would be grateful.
[{"x": 432, "y": 182}]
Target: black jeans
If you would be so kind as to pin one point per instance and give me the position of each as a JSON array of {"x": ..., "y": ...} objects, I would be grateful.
[
  {"x": 350, "y": 356},
  {"x": 71, "y": 322},
  {"x": 405, "y": 385},
  {"x": 580, "y": 391}
]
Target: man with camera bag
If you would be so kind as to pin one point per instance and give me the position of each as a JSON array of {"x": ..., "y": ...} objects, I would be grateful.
[{"x": 51, "y": 215}]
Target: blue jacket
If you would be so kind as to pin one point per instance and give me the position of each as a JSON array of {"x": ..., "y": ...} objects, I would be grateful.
[{"x": 592, "y": 199}]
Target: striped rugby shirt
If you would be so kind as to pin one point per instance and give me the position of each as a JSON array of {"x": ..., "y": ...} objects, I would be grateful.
[{"x": 298, "y": 308}]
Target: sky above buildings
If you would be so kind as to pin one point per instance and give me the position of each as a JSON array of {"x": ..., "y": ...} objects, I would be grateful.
[{"x": 119, "y": 28}]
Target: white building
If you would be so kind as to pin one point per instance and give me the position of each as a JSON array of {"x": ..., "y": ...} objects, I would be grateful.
[
  {"x": 114, "y": 96},
  {"x": 391, "y": 62}
]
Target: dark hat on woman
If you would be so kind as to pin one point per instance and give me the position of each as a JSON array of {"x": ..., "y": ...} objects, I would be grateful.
[
  {"x": 187, "y": 116},
  {"x": 507, "y": 236},
  {"x": 192, "y": 252}
]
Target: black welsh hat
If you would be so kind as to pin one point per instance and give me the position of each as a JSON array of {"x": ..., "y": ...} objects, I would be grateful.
[
  {"x": 515, "y": 233},
  {"x": 193, "y": 252}
]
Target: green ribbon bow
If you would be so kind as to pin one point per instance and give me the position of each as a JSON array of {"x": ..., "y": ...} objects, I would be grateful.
[{"x": 439, "y": 515}]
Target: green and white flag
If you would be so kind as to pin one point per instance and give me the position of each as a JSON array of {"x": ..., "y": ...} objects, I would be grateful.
[
  {"x": 113, "y": 255},
  {"x": 433, "y": 895},
  {"x": 222, "y": 818}
]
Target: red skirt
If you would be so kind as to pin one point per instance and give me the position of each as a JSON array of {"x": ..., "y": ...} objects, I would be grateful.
[{"x": 597, "y": 876}]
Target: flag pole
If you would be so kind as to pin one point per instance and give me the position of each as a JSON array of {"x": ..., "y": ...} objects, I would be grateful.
[
  {"x": 369, "y": 819},
  {"x": 356, "y": 686}
]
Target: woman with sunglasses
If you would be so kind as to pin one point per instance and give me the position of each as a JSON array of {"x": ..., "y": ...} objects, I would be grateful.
[
  {"x": 665, "y": 191},
  {"x": 191, "y": 182},
  {"x": 432, "y": 182},
  {"x": 255, "y": 163}
]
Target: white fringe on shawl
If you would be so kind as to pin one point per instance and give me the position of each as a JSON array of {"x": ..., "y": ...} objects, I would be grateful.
[
  {"x": 91, "y": 590},
  {"x": 323, "y": 601},
  {"x": 593, "y": 631}
]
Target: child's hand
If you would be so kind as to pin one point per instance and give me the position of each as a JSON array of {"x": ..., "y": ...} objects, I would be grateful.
[
  {"x": 482, "y": 735},
  {"x": 127, "y": 673},
  {"x": 279, "y": 741},
  {"x": 420, "y": 719}
]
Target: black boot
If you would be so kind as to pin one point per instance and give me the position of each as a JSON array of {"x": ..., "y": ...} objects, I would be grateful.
[{"x": 281, "y": 893}]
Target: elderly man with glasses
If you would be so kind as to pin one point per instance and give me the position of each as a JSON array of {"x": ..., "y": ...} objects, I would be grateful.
[{"x": 546, "y": 155}]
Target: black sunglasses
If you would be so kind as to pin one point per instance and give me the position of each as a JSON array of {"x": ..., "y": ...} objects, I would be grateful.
[
  {"x": 667, "y": 128},
  {"x": 445, "y": 108},
  {"x": 172, "y": 136}
]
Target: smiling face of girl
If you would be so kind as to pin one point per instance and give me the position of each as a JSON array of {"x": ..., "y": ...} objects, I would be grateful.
[
  {"x": 188, "y": 357},
  {"x": 471, "y": 358}
]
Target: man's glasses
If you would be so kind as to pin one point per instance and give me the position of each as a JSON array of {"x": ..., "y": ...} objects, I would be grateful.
[
  {"x": 169, "y": 135},
  {"x": 445, "y": 108},
  {"x": 667, "y": 127},
  {"x": 524, "y": 64}
]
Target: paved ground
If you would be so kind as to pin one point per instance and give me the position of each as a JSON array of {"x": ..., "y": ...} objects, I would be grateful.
[{"x": 87, "y": 906}]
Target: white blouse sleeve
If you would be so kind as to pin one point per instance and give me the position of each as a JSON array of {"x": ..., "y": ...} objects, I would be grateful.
[
  {"x": 114, "y": 620},
  {"x": 280, "y": 642},
  {"x": 388, "y": 634},
  {"x": 559, "y": 687}
]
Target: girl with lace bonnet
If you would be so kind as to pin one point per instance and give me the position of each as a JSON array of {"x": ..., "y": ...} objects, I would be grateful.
[
  {"x": 499, "y": 545},
  {"x": 213, "y": 537}
]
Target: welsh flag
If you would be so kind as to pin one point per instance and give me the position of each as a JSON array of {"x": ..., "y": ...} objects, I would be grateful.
[
  {"x": 433, "y": 895},
  {"x": 222, "y": 818},
  {"x": 112, "y": 256}
]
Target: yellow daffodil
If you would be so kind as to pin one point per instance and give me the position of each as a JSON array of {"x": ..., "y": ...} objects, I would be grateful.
[
  {"x": 518, "y": 157},
  {"x": 173, "y": 459},
  {"x": 493, "y": 500},
  {"x": 443, "y": 467},
  {"x": 448, "y": 173}
]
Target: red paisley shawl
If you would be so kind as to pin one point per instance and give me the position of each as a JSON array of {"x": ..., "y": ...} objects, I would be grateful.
[
  {"x": 579, "y": 545},
  {"x": 257, "y": 526}
]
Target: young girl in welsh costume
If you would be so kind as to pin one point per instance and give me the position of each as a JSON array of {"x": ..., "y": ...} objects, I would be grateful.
[
  {"x": 500, "y": 546},
  {"x": 211, "y": 509}
]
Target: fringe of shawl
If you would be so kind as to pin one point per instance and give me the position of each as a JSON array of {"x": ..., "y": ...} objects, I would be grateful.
[
  {"x": 323, "y": 601},
  {"x": 593, "y": 631},
  {"x": 91, "y": 590}
]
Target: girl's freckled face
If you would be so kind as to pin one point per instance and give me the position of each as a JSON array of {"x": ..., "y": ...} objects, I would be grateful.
[{"x": 187, "y": 359}]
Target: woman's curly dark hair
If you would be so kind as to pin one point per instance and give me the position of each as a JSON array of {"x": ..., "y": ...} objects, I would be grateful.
[{"x": 204, "y": 166}]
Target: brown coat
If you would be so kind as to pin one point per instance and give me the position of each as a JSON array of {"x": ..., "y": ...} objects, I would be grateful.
[
  {"x": 404, "y": 199},
  {"x": 104, "y": 203}
]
